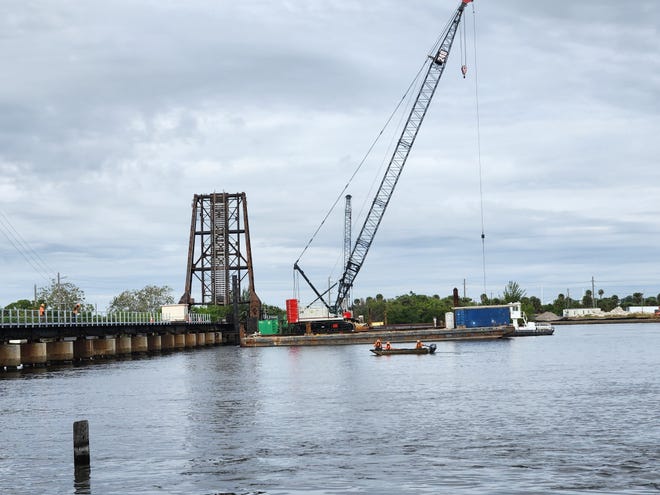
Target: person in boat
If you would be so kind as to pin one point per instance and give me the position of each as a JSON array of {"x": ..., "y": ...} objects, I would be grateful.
[
  {"x": 387, "y": 346},
  {"x": 419, "y": 345},
  {"x": 378, "y": 345}
]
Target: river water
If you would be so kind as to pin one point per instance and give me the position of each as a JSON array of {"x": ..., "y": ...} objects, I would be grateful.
[{"x": 576, "y": 412}]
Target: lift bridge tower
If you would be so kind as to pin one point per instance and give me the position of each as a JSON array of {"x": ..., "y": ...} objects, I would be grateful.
[{"x": 219, "y": 253}]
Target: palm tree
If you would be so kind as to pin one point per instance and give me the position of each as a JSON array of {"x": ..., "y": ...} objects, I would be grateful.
[{"x": 513, "y": 292}]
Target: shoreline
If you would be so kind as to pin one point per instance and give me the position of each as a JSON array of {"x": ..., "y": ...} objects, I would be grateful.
[{"x": 592, "y": 321}]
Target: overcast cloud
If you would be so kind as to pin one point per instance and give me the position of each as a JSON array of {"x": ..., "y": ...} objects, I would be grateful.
[{"x": 114, "y": 114}]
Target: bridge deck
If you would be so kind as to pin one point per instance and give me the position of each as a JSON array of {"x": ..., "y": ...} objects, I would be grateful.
[{"x": 29, "y": 325}]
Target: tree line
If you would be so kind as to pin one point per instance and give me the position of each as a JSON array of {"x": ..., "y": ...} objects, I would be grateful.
[
  {"x": 63, "y": 296},
  {"x": 406, "y": 308},
  {"x": 418, "y": 308}
]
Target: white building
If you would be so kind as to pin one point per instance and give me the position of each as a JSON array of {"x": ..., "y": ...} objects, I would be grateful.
[
  {"x": 642, "y": 309},
  {"x": 577, "y": 312}
]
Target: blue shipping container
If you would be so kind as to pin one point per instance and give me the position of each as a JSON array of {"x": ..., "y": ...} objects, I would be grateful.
[{"x": 481, "y": 317}]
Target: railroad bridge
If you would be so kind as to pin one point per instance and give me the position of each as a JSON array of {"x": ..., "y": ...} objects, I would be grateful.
[
  {"x": 28, "y": 339},
  {"x": 219, "y": 272}
]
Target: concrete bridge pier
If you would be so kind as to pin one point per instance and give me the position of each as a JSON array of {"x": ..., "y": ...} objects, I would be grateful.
[
  {"x": 83, "y": 349},
  {"x": 105, "y": 348},
  {"x": 154, "y": 343},
  {"x": 123, "y": 345},
  {"x": 191, "y": 340},
  {"x": 59, "y": 351},
  {"x": 10, "y": 356},
  {"x": 167, "y": 342},
  {"x": 139, "y": 344},
  {"x": 209, "y": 338},
  {"x": 201, "y": 339},
  {"x": 179, "y": 340},
  {"x": 34, "y": 354}
]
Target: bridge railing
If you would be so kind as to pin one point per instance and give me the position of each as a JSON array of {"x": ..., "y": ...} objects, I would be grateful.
[{"x": 32, "y": 318}]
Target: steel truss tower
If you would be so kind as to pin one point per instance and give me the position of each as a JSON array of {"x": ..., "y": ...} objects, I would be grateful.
[
  {"x": 348, "y": 213},
  {"x": 220, "y": 248}
]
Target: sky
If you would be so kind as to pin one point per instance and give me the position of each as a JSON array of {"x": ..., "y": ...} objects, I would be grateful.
[{"x": 114, "y": 114}]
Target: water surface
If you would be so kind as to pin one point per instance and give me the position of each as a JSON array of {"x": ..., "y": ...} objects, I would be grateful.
[{"x": 576, "y": 412}]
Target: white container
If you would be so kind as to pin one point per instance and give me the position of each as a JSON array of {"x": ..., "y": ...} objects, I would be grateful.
[{"x": 175, "y": 312}]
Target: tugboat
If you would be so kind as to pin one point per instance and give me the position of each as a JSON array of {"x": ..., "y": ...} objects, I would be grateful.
[{"x": 524, "y": 328}]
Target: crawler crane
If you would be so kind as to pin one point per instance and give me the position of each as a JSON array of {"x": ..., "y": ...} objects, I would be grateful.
[{"x": 336, "y": 319}]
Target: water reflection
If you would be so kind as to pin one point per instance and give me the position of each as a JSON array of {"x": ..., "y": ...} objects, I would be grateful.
[{"x": 517, "y": 416}]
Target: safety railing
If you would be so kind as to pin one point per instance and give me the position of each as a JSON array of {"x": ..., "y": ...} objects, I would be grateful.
[{"x": 33, "y": 318}]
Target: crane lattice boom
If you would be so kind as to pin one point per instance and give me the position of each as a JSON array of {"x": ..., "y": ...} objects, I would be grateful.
[{"x": 427, "y": 89}]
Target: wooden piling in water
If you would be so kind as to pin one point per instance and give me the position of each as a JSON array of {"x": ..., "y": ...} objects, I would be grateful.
[{"x": 81, "y": 443}]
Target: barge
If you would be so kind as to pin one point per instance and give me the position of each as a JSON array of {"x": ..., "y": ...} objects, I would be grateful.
[
  {"x": 462, "y": 323},
  {"x": 384, "y": 334},
  {"x": 510, "y": 313}
]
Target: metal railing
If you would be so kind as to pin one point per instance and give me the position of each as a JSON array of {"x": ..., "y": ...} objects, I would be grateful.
[{"x": 32, "y": 318}]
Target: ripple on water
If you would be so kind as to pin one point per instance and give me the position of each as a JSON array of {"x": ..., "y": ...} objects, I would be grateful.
[{"x": 571, "y": 413}]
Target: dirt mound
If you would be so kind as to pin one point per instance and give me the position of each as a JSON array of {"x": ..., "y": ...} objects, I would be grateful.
[
  {"x": 617, "y": 311},
  {"x": 547, "y": 316}
]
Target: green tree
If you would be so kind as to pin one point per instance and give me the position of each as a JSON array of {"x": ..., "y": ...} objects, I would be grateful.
[
  {"x": 407, "y": 308},
  {"x": 513, "y": 292},
  {"x": 272, "y": 311},
  {"x": 536, "y": 305},
  {"x": 626, "y": 302},
  {"x": 62, "y": 295},
  {"x": 147, "y": 299},
  {"x": 608, "y": 303},
  {"x": 217, "y": 312},
  {"x": 21, "y": 304},
  {"x": 558, "y": 305}
]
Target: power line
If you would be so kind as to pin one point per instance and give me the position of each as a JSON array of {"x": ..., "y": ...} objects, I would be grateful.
[{"x": 38, "y": 264}]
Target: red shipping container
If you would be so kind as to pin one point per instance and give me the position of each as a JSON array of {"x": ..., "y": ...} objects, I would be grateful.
[{"x": 292, "y": 310}]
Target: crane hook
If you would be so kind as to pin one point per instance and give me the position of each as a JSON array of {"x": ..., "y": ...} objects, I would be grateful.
[{"x": 464, "y": 70}]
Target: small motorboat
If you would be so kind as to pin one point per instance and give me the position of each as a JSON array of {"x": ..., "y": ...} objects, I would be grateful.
[{"x": 427, "y": 349}]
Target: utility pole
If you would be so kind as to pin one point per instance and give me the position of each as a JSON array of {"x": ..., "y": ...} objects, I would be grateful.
[{"x": 593, "y": 293}]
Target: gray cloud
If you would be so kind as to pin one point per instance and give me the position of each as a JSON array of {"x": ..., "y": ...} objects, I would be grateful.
[{"x": 113, "y": 115}]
